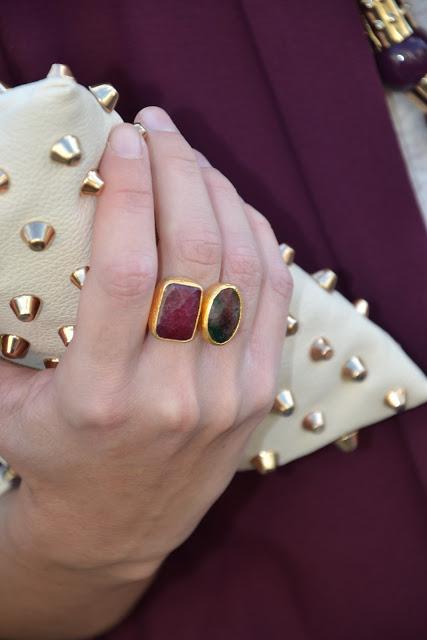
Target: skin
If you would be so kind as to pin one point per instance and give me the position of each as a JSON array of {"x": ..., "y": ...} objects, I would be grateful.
[{"x": 125, "y": 446}]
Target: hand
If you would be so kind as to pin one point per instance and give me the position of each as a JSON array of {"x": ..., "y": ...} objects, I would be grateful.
[{"x": 124, "y": 447}]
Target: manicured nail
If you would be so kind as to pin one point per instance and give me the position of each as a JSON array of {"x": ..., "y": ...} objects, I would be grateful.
[
  {"x": 125, "y": 141},
  {"x": 156, "y": 119},
  {"x": 202, "y": 161}
]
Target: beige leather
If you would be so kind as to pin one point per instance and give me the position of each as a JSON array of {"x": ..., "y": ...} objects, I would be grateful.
[{"x": 32, "y": 118}]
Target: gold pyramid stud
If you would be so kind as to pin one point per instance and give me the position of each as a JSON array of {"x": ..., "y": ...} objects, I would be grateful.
[
  {"x": 348, "y": 443},
  {"x": 92, "y": 184},
  {"x": 291, "y": 325},
  {"x": 66, "y": 150},
  {"x": 326, "y": 278},
  {"x": 4, "y": 181},
  {"x": 60, "y": 71},
  {"x": 25, "y": 307},
  {"x": 321, "y": 350},
  {"x": 314, "y": 422},
  {"x": 142, "y": 130},
  {"x": 4, "y": 87},
  {"x": 66, "y": 334},
  {"x": 284, "y": 403},
  {"x": 78, "y": 277},
  {"x": 37, "y": 235},
  {"x": 265, "y": 461},
  {"x": 287, "y": 253},
  {"x": 14, "y": 347},
  {"x": 354, "y": 369},
  {"x": 362, "y": 306},
  {"x": 50, "y": 363},
  {"x": 106, "y": 95},
  {"x": 396, "y": 399}
]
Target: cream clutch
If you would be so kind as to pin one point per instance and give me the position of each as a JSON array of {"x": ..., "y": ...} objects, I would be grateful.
[{"x": 340, "y": 372}]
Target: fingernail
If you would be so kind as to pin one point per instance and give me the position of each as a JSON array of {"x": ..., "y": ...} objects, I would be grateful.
[
  {"x": 156, "y": 119},
  {"x": 125, "y": 141},
  {"x": 202, "y": 161}
]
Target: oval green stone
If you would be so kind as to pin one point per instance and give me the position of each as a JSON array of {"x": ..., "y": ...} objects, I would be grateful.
[{"x": 224, "y": 315}]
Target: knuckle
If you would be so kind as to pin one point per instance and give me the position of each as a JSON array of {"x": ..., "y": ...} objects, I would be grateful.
[
  {"x": 218, "y": 182},
  {"x": 245, "y": 263},
  {"x": 99, "y": 412},
  {"x": 281, "y": 281},
  {"x": 133, "y": 200},
  {"x": 130, "y": 277},
  {"x": 204, "y": 248},
  {"x": 181, "y": 160},
  {"x": 180, "y": 414}
]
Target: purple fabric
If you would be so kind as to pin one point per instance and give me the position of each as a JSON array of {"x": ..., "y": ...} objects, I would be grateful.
[{"x": 285, "y": 99}]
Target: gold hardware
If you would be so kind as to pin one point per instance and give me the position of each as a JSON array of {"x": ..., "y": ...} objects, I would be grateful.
[
  {"x": 348, "y": 443},
  {"x": 265, "y": 461},
  {"x": 314, "y": 422},
  {"x": 66, "y": 150},
  {"x": 142, "y": 130},
  {"x": 396, "y": 399},
  {"x": 354, "y": 369},
  {"x": 78, "y": 277},
  {"x": 321, "y": 350},
  {"x": 14, "y": 347},
  {"x": 326, "y": 278},
  {"x": 66, "y": 334},
  {"x": 362, "y": 306},
  {"x": 60, "y": 71},
  {"x": 25, "y": 307},
  {"x": 291, "y": 326},
  {"x": 287, "y": 253},
  {"x": 92, "y": 184},
  {"x": 37, "y": 235},
  {"x": 106, "y": 95},
  {"x": 4, "y": 181},
  {"x": 284, "y": 403},
  {"x": 51, "y": 363}
]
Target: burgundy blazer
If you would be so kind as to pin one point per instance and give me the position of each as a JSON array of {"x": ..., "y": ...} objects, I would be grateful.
[{"x": 283, "y": 96}]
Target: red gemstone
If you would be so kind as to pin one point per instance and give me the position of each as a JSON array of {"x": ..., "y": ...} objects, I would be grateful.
[{"x": 179, "y": 312}]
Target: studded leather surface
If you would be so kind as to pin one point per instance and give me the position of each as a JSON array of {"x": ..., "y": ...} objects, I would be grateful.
[{"x": 35, "y": 116}]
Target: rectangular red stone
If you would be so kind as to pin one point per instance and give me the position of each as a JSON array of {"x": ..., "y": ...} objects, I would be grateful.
[{"x": 179, "y": 311}]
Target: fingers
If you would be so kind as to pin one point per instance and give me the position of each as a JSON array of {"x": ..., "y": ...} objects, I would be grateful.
[
  {"x": 117, "y": 293},
  {"x": 269, "y": 329},
  {"x": 242, "y": 263},
  {"x": 189, "y": 237}
]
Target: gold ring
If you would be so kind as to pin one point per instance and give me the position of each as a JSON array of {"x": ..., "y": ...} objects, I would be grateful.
[
  {"x": 175, "y": 309},
  {"x": 221, "y": 313}
]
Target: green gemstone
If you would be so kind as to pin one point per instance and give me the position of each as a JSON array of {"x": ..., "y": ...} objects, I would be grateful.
[{"x": 224, "y": 315}]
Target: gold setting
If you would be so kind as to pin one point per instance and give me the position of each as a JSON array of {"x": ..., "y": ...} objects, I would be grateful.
[
  {"x": 314, "y": 422},
  {"x": 386, "y": 22},
  {"x": 66, "y": 334},
  {"x": 348, "y": 443},
  {"x": 58, "y": 70},
  {"x": 92, "y": 184},
  {"x": 321, "y": 350},
  {"x": 326, "y": 278},
  {"x": 78, "y": 277},
  {"x": 4, "y": 181},
  {"x": 66, "y": 150},
  {"x": 287, "y": 253},
  {"x": 284, "y": 403},
  {"x": 208, "y": 299},
  {"x": 37, "y": 235},
  {"x": 396, "y": 399},
  {"x": 354, "y": 369},
  {"x": 362, "y": 306},
  {"x": 25, "y": 307},
  {"x": 106, "y": 95},
  {"x": 157, "y": 303},
  {"x": 50, "y": 363},
  {"x": 14, "y": 347},
  {"x": 291, "y": 325},
  {"x": 265, "y": 461}
]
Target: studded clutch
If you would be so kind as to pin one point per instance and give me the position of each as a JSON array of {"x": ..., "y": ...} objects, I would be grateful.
[{"x": 339, "y": 373}]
